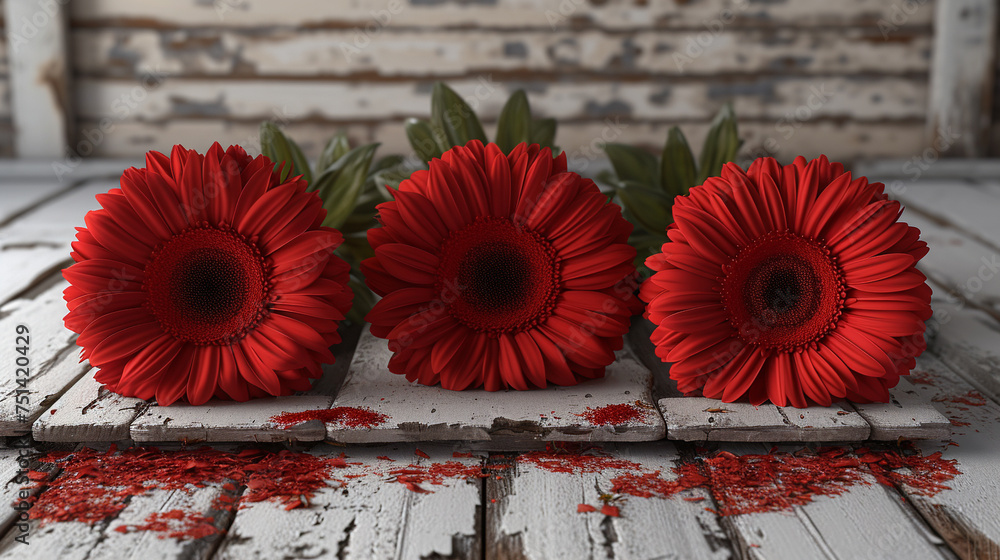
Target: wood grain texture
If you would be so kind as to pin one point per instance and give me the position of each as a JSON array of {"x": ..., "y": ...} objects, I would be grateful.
[
  {"x": 41, "y": 109},
  {"x": 534, "y": 515},
  {"x": 851, "y": 525},
  {"x": 961, "y": 85},
  {"x": 369, "y": 518},
  {"x": 968, "y": 340},
  {"x": 701, "y": 419},
  {"x": 968, "y": 206},
  {"x": 967, "y": 516},
  {"x": 504, "y": 14},
  {"x": 37, "y": 244},
  {"x": 771, "y": 98},
  {"x": 221, "y": 421},
  {"x": 19, "y": 198},
  {"x": 907, "y": 416},
  {"x": 53, "y": 362},
  {"x": 75, "y": 540},
  {"x": 88, "y": 412},
  {"x": 839, "y": 139},
  {"x": 421, "y": 413},
  {"x": 452, "y": 53}
]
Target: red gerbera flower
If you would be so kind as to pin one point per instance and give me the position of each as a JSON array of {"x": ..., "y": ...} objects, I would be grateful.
[
  {"x": 205, "y": 275},
  {"x": 500, "y": 271},
  {"x": 788, "y": 284}
]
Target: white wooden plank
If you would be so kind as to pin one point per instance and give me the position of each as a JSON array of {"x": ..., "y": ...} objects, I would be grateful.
[
  {"x": 962, "y": 75},
  {"x": 758, "y": 98},
  {"x": 966, "y": 516},
  {"x": 76, "y": 540},
  {"x": 964, "y": 205},
  {"x": 15, "y": 461},
  {"x": 840, "y": 140},
  {"x": 419, "y": 413},
  {"x": 371, "y": 517},
  {"x": 22, "y": 195},
  {"x": 124, "y": 52},
  {"x": 53, "y": 364},
  {"x": 517, "y": 14},
  {"x": 854, "y": 524},
  {"x": 39, "y": 76},
  {"x": 87, "y": 412},
  {"x": 220, "y": 421},
  {"x": 908, "y": 415},
  {"x": 37, "y": 244},
  {"x": 702, "y": 419},
  {"x": 533, "y": 515},
  {"x": 968, "y": 340},
  {"x": 963, "y": 265}
]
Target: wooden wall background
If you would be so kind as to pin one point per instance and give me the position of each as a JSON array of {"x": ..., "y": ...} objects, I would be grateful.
[
  {"x": 6, "y": 129},
  {"x": 845, "y": 77}
]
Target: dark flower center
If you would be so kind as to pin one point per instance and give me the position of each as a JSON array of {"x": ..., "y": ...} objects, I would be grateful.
[
  {"x": 783, "y": 291},
  {"x": 207, "y": 286},
  {"x": 496, "y": 277}
]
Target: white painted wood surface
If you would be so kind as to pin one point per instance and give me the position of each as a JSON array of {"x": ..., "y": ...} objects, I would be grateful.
[
  {"x": 969, "y": 342},
  {"x": 39, "y": 77},
  {"x": 967, "y": 206},
  {"x": 964, "y": 69},
  {"x": 535, "y": 514},
  {"x": 87, "y": 412},
  {"x": 53, "y": 361},
  {"x": 907, "y": 416},
  {"x": 76, "y": 540},
  {"x": 37, "y": 244},
  {"x": 866, "y": 521},
  {"x": 23, "y": 195},
  {"x": 421, "y": 413},
  {"x": 370, "y": 518},
  {"x": 968, "y": 515},
  {"x": 701, "y": 419},
  {"x": 221, "y": 421},
  {"x": 533, "y": 14}
]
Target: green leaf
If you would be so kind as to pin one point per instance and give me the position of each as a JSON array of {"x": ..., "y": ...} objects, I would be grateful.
[
  {"x": 335, "y": 149},
  {"x": 341, "y": 184},
  {"x": 514, "y": 125},
  {"x": 543, "y": 132},
  {"x": 634, "y": 164},
  {"x": 385, "y": 163},
  {"x": 453, "y": 116},
  {"x": 280, "y": 149},
  {"x": 363, "y": 302},
  {"x": 677, "y": 167},
  {"x": 423, "y": 139},
  {"x": 649, "y": 206},
  {"x": 721, "y": 144}
]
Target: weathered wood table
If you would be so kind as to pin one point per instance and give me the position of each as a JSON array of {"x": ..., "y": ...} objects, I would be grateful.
[{"x": 615, "y": 468}]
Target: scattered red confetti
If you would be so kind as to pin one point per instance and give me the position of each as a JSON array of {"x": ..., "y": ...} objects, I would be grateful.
[
  {"x": 52, "y": 411},
  {"x": 610, "y": 510},
  {"x": 459, "y": 454},
  {"x": 347, "y": 416},
  {"x": 412, "y": 476},
  {"x": 921, "y": 378},
  {"x": 758, "y": 483},
  {"x": 972, "y": 398},
  {"x": 93, "y": 486},
  {"x": 955, "y": 422},
  {"x": 613, "y": 415},
  {"x": 585, "y": 508},
  {"x": 420, "y": 453},
  {"x": 384, "y": 458},
  {"x": 175, "y": 524}
]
